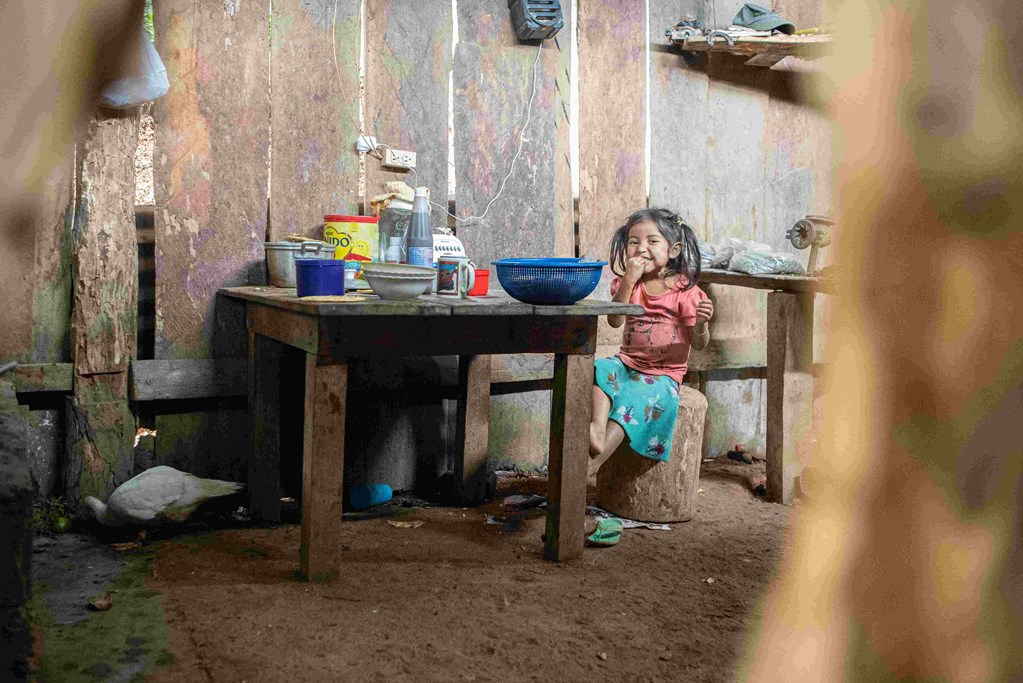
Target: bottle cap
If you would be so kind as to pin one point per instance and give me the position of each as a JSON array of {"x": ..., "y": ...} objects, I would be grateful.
[{"x": 421, "y": 192}]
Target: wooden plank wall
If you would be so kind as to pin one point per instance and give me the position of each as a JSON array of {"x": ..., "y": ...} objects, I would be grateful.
[
  {"x": 210, "y": 182},
  {"x": 612, "y": 134},
  {"x": 733, "y": 150},
  {"x": 737, "y": 153},
  {"x": 493, "y": 80},
  {"x": 100, "y": 423},
  {"x": 532, "y": 216},
  {"x": 314, "y": 169},
  {"x": 408, "y": 64}
]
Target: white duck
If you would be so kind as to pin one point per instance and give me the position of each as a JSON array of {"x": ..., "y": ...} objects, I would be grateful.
[{"x": 157, "y": 495}]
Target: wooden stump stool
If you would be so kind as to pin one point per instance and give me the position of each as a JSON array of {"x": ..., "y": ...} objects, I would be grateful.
[{"x": 634, "y": 487}]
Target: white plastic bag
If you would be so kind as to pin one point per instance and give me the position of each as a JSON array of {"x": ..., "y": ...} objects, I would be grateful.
[
  {"x": 766, "y": 263},
  {"x": 731, "y": 246},
  {"x": 144, "y": 78}
]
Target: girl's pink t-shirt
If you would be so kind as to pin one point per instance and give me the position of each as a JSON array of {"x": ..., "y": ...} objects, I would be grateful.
[{"x": 658, "y": 342}]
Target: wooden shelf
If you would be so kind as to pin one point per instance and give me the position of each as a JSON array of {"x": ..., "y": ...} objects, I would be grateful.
[
  {"x": 778, "y": 283},
  {"x": 762, "y": 51}
]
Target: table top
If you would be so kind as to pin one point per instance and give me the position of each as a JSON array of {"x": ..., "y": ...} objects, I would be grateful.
[
  {"x": 364, "y": 302},
  {"x": 780, "y": 283}
]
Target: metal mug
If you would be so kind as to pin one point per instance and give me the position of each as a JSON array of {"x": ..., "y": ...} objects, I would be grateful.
[{"x": 455, "y": 275}]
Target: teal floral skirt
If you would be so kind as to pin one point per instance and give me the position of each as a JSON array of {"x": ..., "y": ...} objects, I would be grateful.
[{"x": 644, "y": 405}]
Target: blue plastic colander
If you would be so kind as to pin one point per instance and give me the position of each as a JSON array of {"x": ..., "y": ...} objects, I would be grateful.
[{"x": 548, "y": 280}]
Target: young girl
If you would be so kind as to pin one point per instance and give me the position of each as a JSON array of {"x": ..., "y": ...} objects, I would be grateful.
[{"x": 635, "y": 394}]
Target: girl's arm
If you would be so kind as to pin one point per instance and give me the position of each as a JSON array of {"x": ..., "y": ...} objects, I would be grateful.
[
  {"x": 622, "y": 296},
  {"x": 700, "y": 337},
  {"x": 633, "y": 272}
]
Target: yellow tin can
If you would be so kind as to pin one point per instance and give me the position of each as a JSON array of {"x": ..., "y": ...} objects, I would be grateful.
[{"x": 355, "y": 238}]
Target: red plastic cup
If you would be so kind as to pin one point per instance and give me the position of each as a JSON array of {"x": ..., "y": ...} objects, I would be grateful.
[{"x": 482, "y": 284}]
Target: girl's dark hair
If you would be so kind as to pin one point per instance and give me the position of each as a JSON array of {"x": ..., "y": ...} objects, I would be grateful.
[{"x": 671, "y": 227}]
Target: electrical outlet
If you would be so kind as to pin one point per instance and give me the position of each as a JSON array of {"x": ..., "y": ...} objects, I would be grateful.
[{"x": 397, "y": 158}]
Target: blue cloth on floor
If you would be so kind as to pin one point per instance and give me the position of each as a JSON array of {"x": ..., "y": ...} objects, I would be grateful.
[{"x": 644, "y": 405}]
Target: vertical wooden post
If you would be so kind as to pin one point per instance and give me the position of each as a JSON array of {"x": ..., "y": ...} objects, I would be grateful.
[
  {"x": 265, "y": 427},
  {"x": 101, "y": 426},
  {"x": 789, "y": 388},
  {"x": 571, "y": 410},
  {"x": 472, "y": 428},
  {"x": 323, "y": 458}
]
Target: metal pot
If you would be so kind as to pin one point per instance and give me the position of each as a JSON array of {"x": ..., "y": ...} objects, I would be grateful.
[{"x": 280, "y": 259}]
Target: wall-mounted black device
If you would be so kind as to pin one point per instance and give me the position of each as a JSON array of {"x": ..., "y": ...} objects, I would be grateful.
[{"x": 536, "y": 19}]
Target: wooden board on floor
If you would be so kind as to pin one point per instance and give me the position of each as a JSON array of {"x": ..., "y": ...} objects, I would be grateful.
[
  {"x": 612, "y": 73},
  {"x": 408, "y": 64},
  {"x": 493, "y": 80},
  {"x": 315, "y": 168}
]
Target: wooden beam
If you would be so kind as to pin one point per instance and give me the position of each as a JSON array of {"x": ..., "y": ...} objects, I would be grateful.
[
  {"x": 472, "y": 428},
  {"x": 323, "y": 458},
  {"x": 264, "y": 412},
  {"x": 571, "y": 409},
  {"x": 100, "y": 426},
  {"x": 721, "y": 354},
  {"x": 170, "y": 380},
  {"x": 779, "y": 283},
  {"x": 42, "y": 377},
  {"x": 789, "y": 389}
]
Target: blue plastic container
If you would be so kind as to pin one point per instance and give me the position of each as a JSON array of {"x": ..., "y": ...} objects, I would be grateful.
[
  {"x": 368, "y": 495},
  {"x": 548, "y": 280},
  {"x": 319, "y": 277}
]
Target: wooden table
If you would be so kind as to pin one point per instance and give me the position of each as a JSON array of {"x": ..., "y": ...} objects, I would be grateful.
[
  {"x": 789, "y": 368},
  {"x": 331, "y": 334}
]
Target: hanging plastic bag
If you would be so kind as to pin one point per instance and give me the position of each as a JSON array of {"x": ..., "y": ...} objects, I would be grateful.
[{"x": 143, "y": 78}]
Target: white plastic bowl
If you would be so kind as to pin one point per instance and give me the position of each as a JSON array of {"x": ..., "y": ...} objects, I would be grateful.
[{"x": 398, "y": 281}]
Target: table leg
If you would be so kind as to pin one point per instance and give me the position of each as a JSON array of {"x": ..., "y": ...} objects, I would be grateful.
[
  {"x": 571, "y": 409},
  {"x": 264, "y": 480},
  {"x": 472, "y": 431},
  {"x": 323, "y": 456},
  {"x": 789, "y": 389}
]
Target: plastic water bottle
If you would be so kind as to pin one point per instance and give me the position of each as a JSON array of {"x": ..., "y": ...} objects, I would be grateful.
[
  {"x": 368, "y": 495},
  {"x": 420, "y": 240},
  {"x": 395, "y": 250}
]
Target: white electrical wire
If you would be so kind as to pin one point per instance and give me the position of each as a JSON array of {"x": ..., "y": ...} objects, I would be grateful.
[
  {"x": 511, "y": 166},
  {"x": 341, "y": 87}
]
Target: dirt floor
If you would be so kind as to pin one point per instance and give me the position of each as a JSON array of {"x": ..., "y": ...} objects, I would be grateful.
[{"x": 452, "y": 599}]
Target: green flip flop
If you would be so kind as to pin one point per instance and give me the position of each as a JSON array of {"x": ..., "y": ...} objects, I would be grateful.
[{"x": 607, "y": 533}]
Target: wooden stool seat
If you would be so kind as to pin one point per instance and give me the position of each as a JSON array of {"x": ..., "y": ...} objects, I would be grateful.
[{"x": 634, "y": 487}]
